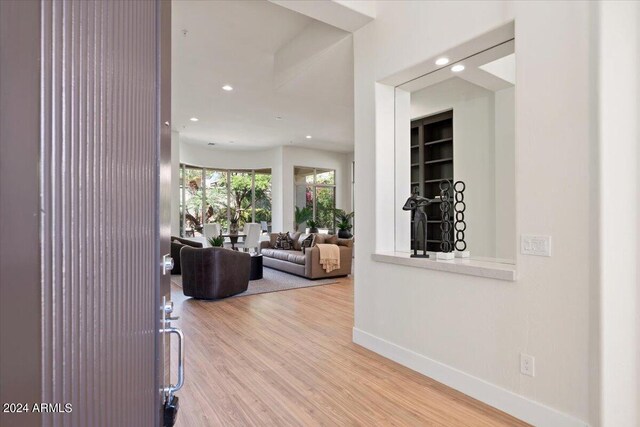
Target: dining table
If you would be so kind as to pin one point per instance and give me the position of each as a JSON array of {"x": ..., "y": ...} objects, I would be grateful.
[{"x": 233, "y": 238}]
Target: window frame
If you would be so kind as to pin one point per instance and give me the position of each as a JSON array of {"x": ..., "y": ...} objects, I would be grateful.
[{"x": 315, "y": 185}]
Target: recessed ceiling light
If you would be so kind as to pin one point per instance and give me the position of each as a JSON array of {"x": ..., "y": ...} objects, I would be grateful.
[
  {"x": 442, "y": 61},
  {"x": 194, "y": 119},
  {"x": 308, "y": 136},
  {"x": 457, "y": 68},
  {"x": 231, "y": 142},
  {"x": 211, "y": 143},
  {"x": 227, "y": 88},
  {"x": 278, "y": 118}
]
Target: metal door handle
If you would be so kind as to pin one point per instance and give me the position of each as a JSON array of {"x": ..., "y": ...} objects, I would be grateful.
[
  {"x": 170, "y": 391},
  {"x": 167, "y": 264}
]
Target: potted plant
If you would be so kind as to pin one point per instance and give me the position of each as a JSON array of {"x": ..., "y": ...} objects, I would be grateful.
[
  {"x": 216, "y": 242},
  {"x": 313, "y": 226},
  {"x": 343, "y": 222},
  {"x": 301, "y": 215}
]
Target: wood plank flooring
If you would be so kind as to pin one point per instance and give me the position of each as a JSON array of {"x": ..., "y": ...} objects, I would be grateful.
[{"x": 286, "y": 359}]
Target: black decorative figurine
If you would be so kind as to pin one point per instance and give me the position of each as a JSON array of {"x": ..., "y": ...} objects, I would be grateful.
[{"x": 416, "y": 204}]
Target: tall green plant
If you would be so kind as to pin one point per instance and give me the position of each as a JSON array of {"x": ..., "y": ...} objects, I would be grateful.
[
  {"x": 301, "y": 215},
  {"x": 343, "y": 219}
]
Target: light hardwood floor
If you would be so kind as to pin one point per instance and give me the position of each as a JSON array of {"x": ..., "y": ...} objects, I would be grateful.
[{"x": 286, "y": 358}]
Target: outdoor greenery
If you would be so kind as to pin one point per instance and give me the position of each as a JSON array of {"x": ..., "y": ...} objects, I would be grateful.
[
  {"x": 216, "y": 197},
  {"x": 325, "y": 204}
]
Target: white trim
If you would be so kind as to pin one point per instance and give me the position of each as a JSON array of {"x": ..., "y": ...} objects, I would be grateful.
[
  {"x": 471, "y": 267},
  {"x": 518, "y": 406}
]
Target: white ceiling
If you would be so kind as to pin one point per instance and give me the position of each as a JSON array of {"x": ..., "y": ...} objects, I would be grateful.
[
  {"x": 493, "y": 69},
  {"x": 279, "y": 62}
]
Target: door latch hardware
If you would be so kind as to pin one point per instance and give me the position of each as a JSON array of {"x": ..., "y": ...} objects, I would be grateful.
[{"x": 167, "y": 264}]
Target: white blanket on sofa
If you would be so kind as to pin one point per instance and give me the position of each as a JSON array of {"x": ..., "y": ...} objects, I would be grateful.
[{"x": 329, "y": 256}]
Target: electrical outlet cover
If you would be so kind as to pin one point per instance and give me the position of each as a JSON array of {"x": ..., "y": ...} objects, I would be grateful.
[{"x": 527, "y": 365}]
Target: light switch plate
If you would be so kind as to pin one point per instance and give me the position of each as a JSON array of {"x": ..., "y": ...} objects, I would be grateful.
[{"x": 535, "y": 245}]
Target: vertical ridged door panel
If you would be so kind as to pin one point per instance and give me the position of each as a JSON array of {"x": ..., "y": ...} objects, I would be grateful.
[{"x": 99, "y": 203}]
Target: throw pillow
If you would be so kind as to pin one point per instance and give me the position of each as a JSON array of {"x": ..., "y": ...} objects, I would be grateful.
[
  {"x": 331, "y": 240},
  {"x": 318, "y": 239},
  {"x": 283, "y": 241},
  {"x": 307, "y": 242},
  {"x": 297, "y": 243},
  {"x": 294, "y": 239}
]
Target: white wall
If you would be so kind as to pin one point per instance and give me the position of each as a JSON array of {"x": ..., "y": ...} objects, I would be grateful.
[
  {"x": 281, "y": 161},
  {"x": 505, "y": 173},
  {"x": 479, "y": 326},
  {"x": 619, "y": 163}
]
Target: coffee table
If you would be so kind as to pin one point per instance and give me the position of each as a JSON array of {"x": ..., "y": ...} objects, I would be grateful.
[{"x": 256, "y": 267}]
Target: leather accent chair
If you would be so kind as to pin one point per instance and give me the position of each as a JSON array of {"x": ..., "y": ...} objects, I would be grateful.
[
  {"x": 176, "y": 245},
  {"x": 214, "y": 273}
]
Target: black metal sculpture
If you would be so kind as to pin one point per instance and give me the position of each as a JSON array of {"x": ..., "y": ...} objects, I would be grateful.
[
  {"x": 416, "y": 204},
  {"x": 460, "y": 225},
  {"x": 446, "y": 245}
]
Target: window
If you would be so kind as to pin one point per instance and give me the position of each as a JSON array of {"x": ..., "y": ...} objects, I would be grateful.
[
  {"x": 215, "y": 196},
  {"x": 316, "y": 189}
]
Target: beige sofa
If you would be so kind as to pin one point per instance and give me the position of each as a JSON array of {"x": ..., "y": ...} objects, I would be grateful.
[{"x": 305, "y": 264}]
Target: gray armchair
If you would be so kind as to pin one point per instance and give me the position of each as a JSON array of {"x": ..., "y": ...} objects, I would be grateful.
[{"x": 214, "y": 273}]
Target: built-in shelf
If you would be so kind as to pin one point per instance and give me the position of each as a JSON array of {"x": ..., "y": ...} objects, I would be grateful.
[
  {"x": 433, "y": 136},
  {"x": 430, "y": 181},
  {"x": 467, "y": 266},
  {"x": 438, "y": 141},
  {"x": 446, "y": 159}
]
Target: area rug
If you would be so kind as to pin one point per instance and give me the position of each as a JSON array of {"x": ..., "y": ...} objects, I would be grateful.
[{"x": 272, "y": 281}]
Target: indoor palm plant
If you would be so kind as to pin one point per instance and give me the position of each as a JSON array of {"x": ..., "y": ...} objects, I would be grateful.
[
  {"x": 343, "y": 223},
  {"x": 301, "y": 215},
  {"x": 313, "y": 226}
]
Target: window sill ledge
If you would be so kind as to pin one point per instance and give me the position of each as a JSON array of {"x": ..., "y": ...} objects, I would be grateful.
[{"x": 490, "y": 270}]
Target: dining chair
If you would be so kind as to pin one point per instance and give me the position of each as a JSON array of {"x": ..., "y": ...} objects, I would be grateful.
[
  {"x": 252, "y": 239},
  {"x": 211, "y": 230}
]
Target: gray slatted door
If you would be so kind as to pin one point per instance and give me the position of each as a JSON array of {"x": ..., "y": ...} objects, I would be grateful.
[{"x": 99, "y": 178}]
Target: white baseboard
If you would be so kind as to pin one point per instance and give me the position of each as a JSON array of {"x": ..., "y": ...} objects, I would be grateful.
[{"x": 518, "y": 406}]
